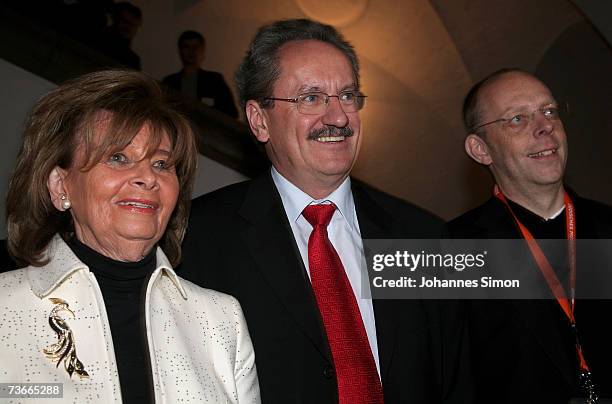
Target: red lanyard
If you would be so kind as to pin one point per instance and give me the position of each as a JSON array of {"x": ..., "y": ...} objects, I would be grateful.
[{"x": 555, "y": 286}]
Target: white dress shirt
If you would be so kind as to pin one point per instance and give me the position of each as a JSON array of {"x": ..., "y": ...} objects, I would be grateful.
[{"x": 344, "y": 234}]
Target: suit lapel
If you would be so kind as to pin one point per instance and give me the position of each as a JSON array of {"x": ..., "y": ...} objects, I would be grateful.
[
  {"x": 374, "y": 221},
  {"x": 373, "y": 224},
  {"x": 271, "y": 243}
]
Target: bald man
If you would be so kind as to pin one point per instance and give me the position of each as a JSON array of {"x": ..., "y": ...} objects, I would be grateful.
[{"x": 526, "y": 351}]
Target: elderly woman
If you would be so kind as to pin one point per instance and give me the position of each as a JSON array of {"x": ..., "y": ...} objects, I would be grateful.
[{"x": 97, "y": 208}]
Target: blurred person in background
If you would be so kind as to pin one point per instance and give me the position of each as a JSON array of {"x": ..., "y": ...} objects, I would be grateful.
[
  {"x": 197, "y": 84},
  {"x": 116, "y": 41}
]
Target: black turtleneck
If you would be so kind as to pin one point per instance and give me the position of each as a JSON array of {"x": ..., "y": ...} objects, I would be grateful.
[{"x": 122, "y": 285}]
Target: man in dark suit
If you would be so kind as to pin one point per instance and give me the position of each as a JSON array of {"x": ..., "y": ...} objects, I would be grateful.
[
  {"x": 288, "y": 244},
  {"x": 116, "y": 40},
  {"x": 201, "y": 85},
  {"x": 525, "y": 351}
]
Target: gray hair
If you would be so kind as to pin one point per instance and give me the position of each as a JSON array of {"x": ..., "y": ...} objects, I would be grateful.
[{"x": 260, "y": 68}]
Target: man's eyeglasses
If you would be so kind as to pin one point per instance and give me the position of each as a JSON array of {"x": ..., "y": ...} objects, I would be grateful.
[
  {"x": 518, "y": 122},
  {"x": 316, "y": 102}
]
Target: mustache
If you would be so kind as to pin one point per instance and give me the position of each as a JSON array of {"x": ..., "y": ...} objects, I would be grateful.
[{"x": 326, "y": 131}]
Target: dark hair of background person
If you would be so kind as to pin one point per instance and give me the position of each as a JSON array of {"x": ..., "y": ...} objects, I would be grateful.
[
  {"x": 260, "y": 68},
  {"x": 69, "y": 117},
  {"x": 128, "y": 7},
  {"x": 471, "y": 108},
  {"x": 116, "y": 40},
  {"x": 189, "y": 34},
  {"x": 126, "y": 19}
]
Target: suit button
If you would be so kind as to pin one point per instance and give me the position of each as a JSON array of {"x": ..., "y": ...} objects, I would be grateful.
[{"x": 329, "y": 372}]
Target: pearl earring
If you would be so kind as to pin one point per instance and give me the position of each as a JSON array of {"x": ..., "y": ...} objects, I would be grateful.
[{"x": 65, "y": 202}]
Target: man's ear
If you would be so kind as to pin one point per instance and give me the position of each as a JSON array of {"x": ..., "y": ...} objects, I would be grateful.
[
  {"x": 477, "y": 149},
  {"x": 257, "y": 118},
  {"x": 55, "y": 185}
]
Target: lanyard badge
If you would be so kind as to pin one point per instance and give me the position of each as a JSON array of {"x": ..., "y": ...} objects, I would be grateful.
[{"x": 567, "y": 304}]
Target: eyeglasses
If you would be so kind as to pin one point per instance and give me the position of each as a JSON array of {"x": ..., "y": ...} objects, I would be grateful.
[
  {"x": 316, "y": 103},
  {"x": 520, "y": 121}
]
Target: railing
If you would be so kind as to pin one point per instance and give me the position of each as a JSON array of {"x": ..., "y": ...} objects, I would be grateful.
[{"x": 57, "y": 57}]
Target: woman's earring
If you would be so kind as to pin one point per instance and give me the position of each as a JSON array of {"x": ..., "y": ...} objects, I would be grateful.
[{"x": 65, "y": 202}]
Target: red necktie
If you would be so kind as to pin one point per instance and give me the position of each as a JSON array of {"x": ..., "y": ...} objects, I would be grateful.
[{"x": 356, "y": 373}]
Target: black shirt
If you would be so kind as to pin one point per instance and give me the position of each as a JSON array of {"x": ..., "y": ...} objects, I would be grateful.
[
  {"x": 556, "y": 253},
  {"x": 540, "y": 228},
  {"x": 122, "y": 285},
  {"x": 547, "y": 232}
]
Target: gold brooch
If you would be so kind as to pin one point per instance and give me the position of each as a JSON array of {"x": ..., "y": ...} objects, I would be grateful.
[{"x": 65, "y": 347}]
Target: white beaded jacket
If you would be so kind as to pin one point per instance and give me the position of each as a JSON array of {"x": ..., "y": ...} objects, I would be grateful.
[{"x": 54, "y": 329}]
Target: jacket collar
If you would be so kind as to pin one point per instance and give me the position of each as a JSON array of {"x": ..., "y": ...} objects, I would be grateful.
[{"x": 63, "y": 263}]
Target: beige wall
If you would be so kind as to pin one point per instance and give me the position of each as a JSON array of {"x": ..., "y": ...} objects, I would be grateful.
[{"x": 20, "y": 90}]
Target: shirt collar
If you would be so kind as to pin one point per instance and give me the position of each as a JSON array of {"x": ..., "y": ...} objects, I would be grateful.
[
  {"x": 514, "y": 205},
  {"x": 557, "y": 214},
  {"x": 63, "y": 263},
  {"x": 295, "y": 200}
]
